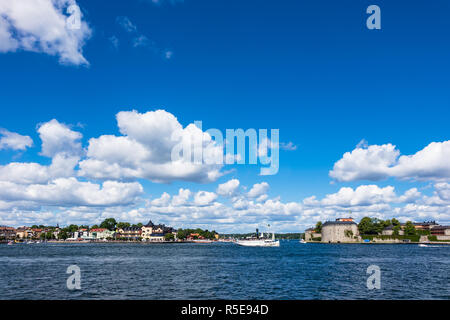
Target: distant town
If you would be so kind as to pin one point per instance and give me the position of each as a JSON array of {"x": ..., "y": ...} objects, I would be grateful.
[
  {"x": 341, "y": 230},
  {"x": 346, "y": 230},
  {"x": 108, "y": 230}
]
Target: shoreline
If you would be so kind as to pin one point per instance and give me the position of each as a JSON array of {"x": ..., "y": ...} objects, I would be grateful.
[
  {"x": 431, "y": 242},
  {"x": 107, "y": 242},
  {"x": 195, "y": 242}
]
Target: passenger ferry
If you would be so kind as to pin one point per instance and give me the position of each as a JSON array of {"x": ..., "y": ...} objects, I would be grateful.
[{"x": 259, "y": 241}]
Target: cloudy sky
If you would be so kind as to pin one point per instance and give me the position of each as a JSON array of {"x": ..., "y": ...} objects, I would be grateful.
[{"x": 88, "y": 114}]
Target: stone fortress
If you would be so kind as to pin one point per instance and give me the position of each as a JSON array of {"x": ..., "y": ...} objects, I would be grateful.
[
  {"x": 345, "y": 230},
  {"x": 341, "y": 230}
]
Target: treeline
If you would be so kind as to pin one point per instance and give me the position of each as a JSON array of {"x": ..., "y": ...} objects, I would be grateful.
[
  {"x": 64, "y": 233},
  {"x": 375, "y": 226},
  {"x": 289, "y": 236},
  {"x": 184, "y": 233},
  {"x": 111, "y": 224}
]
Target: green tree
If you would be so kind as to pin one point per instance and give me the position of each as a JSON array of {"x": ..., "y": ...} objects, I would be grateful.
[
  {"x": 94, "y": 226},
  {"x": 182, "y": 234},
  {"x": 395, "y": 222},
  {"x": 72, "y": 228},
  {"x": 378, "y": 225},
  {"x": 410, "y": 230},
  {"x": 367, "y": 226},
  {"x": 122, "y": 225},
  {"x": 396, "y": 229},
  {"x": 318, "y": 228},
  {"x": 63, "y": 235},
  {"x": 169, "y": 237},
  {"x": 109, "y": 224}
]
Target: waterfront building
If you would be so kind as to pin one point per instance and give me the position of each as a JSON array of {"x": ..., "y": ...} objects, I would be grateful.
[
  {"x": 341, "y": 230},
  {"x": 56, "y": 232},
  {"x": 389, "y": 231},
  {"x": 426, "y": 225},
  {"x": 156, "y": 237},
  {"x": 81, "y": 234},
  {"x": 195, "y": 236},
  {"x": 130, "y": 233},
  {"x": 153, "y": 232},
  {"x": 147, "y": 230},
  {"x": 441, "y": 232},
  {"x": 311, "y": 234},
  {"x": 84, "y": 234},
  {"x": 101, "y": 234},
  {"x": 7, "y": 232},
  {"x": 36, "y": 232},
  {"x": 24, "y": 233}
]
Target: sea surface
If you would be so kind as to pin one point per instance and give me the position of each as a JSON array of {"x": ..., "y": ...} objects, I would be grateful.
[{"x": 224, "y": 271}]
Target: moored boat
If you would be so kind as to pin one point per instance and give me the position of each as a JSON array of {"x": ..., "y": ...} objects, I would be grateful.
[{"x": 259, "y": 241}]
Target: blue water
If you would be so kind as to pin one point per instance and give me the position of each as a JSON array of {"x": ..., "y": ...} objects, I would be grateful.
[{"x": 224, "y": 271}]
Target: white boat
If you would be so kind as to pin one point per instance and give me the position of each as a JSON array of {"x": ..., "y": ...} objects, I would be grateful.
[
  {"x": 429, "y": 246},
  {"x": 259, "y": 242},
  {"x": 10, "y": 243},
  {"x": 302, "y": 241}
]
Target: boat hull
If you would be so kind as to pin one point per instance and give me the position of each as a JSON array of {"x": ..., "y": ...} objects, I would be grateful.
[{"x": 258, "y": 243}]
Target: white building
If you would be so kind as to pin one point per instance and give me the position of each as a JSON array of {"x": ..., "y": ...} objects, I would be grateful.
[
  {"x": 153, "y": 232},
  {"x": 101, "y": 234}
]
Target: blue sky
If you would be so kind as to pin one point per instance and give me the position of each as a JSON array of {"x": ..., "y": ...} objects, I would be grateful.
[{"x": 309, "y": 68}]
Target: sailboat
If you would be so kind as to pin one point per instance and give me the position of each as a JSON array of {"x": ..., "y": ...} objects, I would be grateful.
[{"x": 259, "y": 241}]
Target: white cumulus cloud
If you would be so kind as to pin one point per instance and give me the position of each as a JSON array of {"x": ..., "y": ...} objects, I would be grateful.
[
  {"x": 41, "y": 26},
  {"x": 70, "y": 192},
  {"x": 377, "y": 162},
  {"x": 228, "y": 188},
  {"x": 258, "y": 189},
  {"x": 14, "y": 141},
  {"x": 203, "y": 198},
  {"x": 145, "y": 150},
  {"x": 58, "y": 138}
]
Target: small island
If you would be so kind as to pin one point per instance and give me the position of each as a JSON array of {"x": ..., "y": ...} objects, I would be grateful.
[
  {"x": 109, "y": 230},
  {"x": 374, "y": 230}
]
